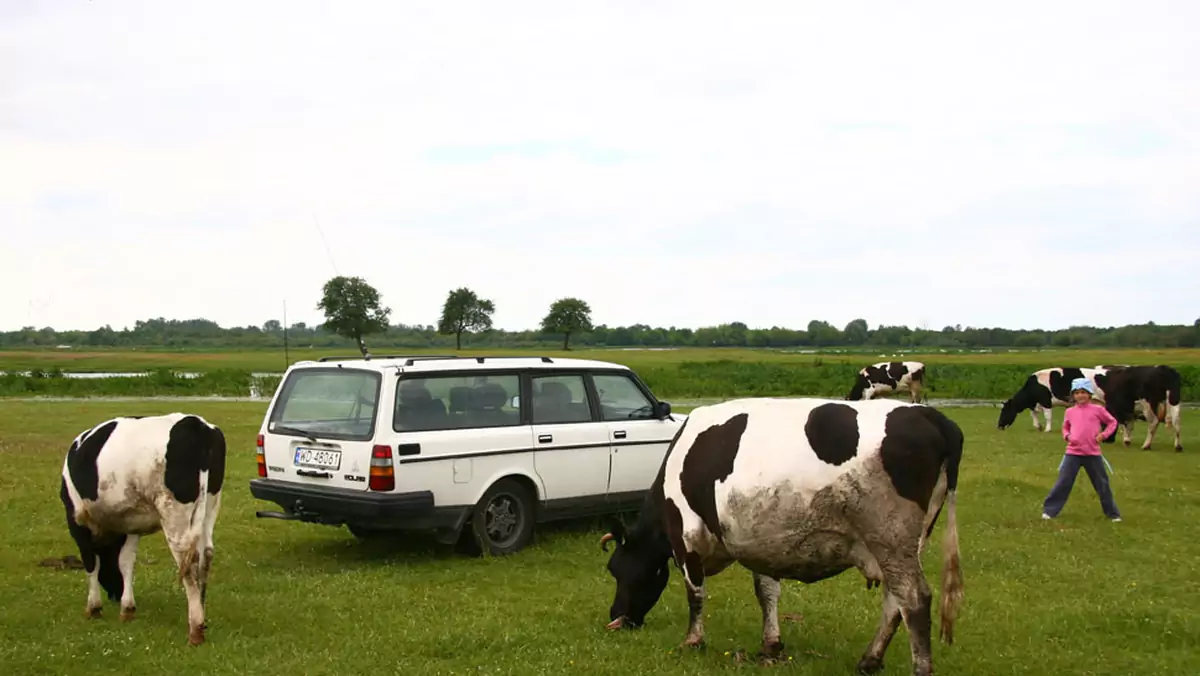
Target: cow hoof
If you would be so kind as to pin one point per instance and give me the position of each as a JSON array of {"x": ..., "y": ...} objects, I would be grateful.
[
  {"x": 772, "y": 650},
  {"x": 1179, "y": 449},
  {"x": 92, "y": 613},
  {"x": 1127, "y": 443},
  {"x": 127, "y": 614},
  {"x": 869, "y": 665},
  {"x": 695, "y": 643},
  {"x": 196, "y": 636}
]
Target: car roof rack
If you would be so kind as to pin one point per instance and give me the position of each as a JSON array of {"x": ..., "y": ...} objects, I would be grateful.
[
  {"x": 480, "y": 359},
  {"x": 379, "y": 356}
]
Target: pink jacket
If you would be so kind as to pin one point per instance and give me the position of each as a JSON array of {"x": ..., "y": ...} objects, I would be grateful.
[{"x": 1081, "y": 425}]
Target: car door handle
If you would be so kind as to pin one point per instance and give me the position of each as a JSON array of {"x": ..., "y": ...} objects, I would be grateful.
[
  {"x": 619, "y": 434},
  {"x": 545, "y": 438}
]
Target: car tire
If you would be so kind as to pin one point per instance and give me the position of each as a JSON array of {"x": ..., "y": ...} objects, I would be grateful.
[{"x": 502, "y": 520}]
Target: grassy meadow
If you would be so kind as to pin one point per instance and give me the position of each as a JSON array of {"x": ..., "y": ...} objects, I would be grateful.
[
  {"x": 1077, "y": 595},
  {"x": 139, "y": 359},
  {"x": 683, "y": 374}
]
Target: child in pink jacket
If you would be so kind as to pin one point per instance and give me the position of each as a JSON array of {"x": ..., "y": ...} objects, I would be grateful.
[{"x": 1085, "y": 425}]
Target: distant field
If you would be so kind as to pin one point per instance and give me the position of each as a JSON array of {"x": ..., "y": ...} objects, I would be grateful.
[
  {"x": 1078, "y": 595},
  {"x": 273, "y": 361},
  {"x": 684, "y": 374}
]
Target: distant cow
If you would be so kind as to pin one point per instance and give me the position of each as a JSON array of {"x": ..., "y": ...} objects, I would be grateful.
[
  {"x": 1155, "y": 389},
  {"x": 133, "y": 476},
  {"x": 1042, "y": 391},
  {"x": 887, "y": 377},
  {"x": 800, "y": 489}
]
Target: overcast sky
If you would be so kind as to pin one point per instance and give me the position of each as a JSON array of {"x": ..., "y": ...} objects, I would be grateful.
[{"x": 1017, "y": 164}]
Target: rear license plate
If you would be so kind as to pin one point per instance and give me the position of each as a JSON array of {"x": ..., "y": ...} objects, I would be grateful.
[{"x": 317, "y": 457}]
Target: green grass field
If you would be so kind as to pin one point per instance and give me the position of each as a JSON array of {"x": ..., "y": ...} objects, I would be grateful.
[
  {"x": 1078, "y": 595},
  {"x": 273, "y": 360},
  {"x": 682, "y": 375}
]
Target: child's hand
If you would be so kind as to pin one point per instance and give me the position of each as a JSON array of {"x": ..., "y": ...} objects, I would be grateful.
[{"x": 1100, "y": 438}]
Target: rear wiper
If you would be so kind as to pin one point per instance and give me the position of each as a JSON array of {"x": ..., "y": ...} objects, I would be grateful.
[{"x": 292, "y": 430}]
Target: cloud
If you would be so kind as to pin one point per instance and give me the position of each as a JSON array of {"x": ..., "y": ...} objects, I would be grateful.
[{"x": 671, "y": 163}]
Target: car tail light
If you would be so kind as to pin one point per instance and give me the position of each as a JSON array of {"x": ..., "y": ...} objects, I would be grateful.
[
  {"x": 383, "y": 475},
  {"x": 260, "y": 456}
]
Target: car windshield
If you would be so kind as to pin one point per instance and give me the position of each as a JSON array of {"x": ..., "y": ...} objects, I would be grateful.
[{"x": 333, "y": 403}]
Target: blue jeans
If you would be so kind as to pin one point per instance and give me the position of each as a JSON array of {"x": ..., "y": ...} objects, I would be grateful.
[{"x": 1094, "y": 466}]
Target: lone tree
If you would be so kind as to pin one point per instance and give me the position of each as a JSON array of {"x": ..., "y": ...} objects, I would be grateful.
[
  {"x": 352, "y": 310},
  {"x": 567, "y": 316},
  {"x": 464, "y": 311}
]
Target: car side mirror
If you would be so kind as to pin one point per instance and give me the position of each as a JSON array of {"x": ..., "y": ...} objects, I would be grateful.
[{"x": 662, "y": 410}]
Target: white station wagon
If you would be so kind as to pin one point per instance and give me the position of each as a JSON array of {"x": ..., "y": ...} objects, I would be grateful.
[{"x": 476, "y": 449}]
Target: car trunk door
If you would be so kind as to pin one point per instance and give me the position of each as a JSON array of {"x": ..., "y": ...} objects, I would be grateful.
[
  {"x": 322, "y": 428},
  {"x": 335, "y": 463}
]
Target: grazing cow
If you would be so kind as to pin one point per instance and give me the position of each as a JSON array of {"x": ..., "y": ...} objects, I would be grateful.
[
  {"x": 887, "y": 377},
  {"x": 1155, "y": 389},
  {"x": 133, "y": 476},
  {"x": 799, "y": 489},
  {"x": 1043, "y": 390}
]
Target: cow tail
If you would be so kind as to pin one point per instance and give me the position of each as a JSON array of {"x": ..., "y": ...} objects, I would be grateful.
[{"x": 952, "y": 576}]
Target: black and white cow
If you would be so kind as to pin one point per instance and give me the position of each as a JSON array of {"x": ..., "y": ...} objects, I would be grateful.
[
  {"x": 1156, "y": 390},
  {"x": 134, "y": 476},
  {"x": 1042, "y": 391},
  {"x": 800, "y": 489},
  {"x": 888, "y": 377}
]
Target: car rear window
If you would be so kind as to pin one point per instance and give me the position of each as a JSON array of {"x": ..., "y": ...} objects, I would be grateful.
[{"x": 336, "y": 403}]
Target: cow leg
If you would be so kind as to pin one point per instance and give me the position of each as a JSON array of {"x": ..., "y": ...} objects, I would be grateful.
[
  {"x": 767, "y": 591},
  {"x": 693, "y": 580},
  {"x": 1127, "y": 430},
  {"x": 189, "y": 574},
  {"x": 1049, "y": 412},
  {"x": 91, "y": 564},
  {"x": 187, "y": 548},
  {"x": 914, "y": 596},
  {"x": 872, "y": 660},
  {"x": 95, "y": 599},
  {"x": 1151, "y": 417},
  {"x": 1173, "y": 417},
  {"x": 126, "y": 559},
  {"x": 1033, "y": 413},
  {"x": 210, "y": 520}
]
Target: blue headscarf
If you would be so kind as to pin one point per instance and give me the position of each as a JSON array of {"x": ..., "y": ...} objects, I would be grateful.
[{"x": 1083, "y": 384}]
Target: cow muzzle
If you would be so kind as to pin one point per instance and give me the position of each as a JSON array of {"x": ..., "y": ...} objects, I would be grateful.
[{"x": 622, "y": 622}]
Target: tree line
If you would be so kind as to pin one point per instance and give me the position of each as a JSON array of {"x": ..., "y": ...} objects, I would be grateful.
[{"x": 354, "y": 314}]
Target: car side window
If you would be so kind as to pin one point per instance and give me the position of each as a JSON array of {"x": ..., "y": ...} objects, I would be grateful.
[
  {"x": 560, "y": 399},
  {"x": 425, "y": 403},
  {"x": 621, "y": 399}
]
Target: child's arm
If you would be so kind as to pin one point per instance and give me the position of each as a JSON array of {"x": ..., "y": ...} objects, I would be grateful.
[
  {"x": 1066, "y": 427},
  {"x": 1110, "y": 423}
]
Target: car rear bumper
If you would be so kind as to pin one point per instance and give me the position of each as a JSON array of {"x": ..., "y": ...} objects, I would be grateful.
[{"x": 335, "y": 506}]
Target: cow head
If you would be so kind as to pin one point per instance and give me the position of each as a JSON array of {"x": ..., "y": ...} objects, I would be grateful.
[
  {"x": 861, "y": 385},
  {"x": 1023, "y": 399},
  {"x": 639, "y": 564},
  {"x": 1008, "y": 414}
]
